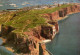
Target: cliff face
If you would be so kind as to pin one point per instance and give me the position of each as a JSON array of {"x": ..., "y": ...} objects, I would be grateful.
[
  {"x": 31, "y": 43},
  {"x": 62, "y": 12},
  {"x": 23, "y": 44},
  {"x": 50, "y": 30},
  {"x": 52, "y": 16}
]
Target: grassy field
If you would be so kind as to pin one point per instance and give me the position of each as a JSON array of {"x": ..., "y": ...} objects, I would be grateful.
[{"x": 23, "y": 20}]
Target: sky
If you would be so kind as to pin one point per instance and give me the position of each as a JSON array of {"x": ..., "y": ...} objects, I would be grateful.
[{"x": 5, "y": 4}]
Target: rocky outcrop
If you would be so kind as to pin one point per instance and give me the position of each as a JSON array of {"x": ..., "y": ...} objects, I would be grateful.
[
  {"x": 50, "y": 30},
  {"x": 52, "y": 16},
  {"x": 63, "y": 12},
  {"x": 5, "y": 30},
  {"x": 29, "y": 44},
  {"x": 22, "y": 44}
]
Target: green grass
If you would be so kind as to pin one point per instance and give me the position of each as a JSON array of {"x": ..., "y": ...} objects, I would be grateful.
[{"x": 23, "y": 20}]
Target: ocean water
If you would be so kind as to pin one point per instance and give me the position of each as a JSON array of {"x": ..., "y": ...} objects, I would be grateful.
[
  {"x": 11, "y": 4},
  {"x": 67, "y": 42}
]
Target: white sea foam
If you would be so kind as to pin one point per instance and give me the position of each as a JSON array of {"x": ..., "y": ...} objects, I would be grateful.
[{"x": 45, "y": 41}]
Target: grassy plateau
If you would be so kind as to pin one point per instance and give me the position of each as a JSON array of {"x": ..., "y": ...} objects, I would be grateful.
[{"x": 23, "y": 20}]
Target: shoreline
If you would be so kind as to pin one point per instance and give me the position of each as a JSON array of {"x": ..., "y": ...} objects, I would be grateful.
[{"x": 63, "y": 18}]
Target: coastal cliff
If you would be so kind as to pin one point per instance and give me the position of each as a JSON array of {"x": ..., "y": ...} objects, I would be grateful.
[
  {"x": 32, "y": 44},
  {"x": 32, "y": 41},
  {"x": 58, "y": 15}
]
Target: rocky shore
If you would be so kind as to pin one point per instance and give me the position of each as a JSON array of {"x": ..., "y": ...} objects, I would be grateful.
[{"x": 33, "y": 44}]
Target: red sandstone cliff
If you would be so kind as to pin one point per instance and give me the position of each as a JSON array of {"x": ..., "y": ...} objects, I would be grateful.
[
  {"x": 62, "y": 12},
  {"x": 32, "y": 44}
]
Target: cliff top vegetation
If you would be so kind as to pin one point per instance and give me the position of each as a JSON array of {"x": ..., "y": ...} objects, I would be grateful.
[{"x": 23, "y": 20}]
